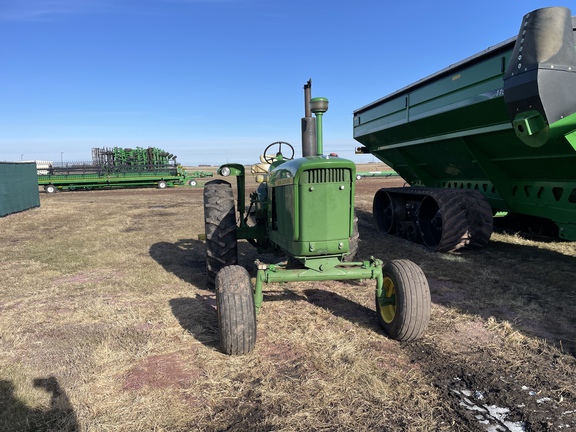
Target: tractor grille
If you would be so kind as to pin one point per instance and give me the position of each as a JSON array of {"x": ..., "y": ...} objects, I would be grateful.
[{"x": 326, "y": 175}]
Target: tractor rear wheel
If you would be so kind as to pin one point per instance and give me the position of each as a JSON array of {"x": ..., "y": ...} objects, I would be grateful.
[
  {"x": 220, "y": 228},
  {"x": 236, "y": 310},
  {"x": 403, "y": 309}
]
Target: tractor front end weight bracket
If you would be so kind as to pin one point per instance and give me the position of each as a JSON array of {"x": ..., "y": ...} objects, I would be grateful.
[{"x": 272, "y": 273}]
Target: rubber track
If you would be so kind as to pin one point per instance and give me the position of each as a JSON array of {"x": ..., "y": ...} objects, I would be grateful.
[
  {"x": 236, "y": 310},
  {"x": 480, "y": 220},
  {"x": 220, "y": 228},
  {"x": 466, "y": 216}
]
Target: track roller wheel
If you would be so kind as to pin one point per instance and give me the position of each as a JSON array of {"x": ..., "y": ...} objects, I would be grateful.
[
  {"x": 388, "y": 210},
  {"x": 220, "y": 228},
  {"x": 236, "y": 310},
  {"x": 403, "y": 308},
  {"x": 412, "y": 231}
]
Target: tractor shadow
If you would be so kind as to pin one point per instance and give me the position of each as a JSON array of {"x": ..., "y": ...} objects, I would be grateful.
[
  {"x": 186, "y": 259},
  {"x": 338, "y": 305}
]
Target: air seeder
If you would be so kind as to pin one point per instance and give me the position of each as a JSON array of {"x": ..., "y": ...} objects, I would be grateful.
[{"x": 303, "y": 209}]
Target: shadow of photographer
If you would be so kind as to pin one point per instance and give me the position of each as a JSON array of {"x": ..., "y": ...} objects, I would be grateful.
[{"x": 15, "y": 415}]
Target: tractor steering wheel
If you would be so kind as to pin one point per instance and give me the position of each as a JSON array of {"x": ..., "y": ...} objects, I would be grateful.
[{"x": 270, "y": 158}]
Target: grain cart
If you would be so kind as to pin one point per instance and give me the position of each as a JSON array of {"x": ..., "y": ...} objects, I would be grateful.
[
  {"x": 495, "y": 132},
  {"x": 303, "y": 209}
]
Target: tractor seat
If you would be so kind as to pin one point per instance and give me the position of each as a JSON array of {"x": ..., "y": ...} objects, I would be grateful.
[{"x": 261, "y": 169}]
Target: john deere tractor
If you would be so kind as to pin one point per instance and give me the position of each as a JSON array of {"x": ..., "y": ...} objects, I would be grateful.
[{"x": 303, "y": 210}]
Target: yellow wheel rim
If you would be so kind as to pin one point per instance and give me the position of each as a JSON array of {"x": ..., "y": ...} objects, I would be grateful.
[{"x": 388, "y": 312}]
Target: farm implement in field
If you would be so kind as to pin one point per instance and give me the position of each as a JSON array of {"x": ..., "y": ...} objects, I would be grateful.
[{"x": 118, "y": 168}]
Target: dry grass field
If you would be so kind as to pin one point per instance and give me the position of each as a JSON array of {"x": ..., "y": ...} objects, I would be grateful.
[{"x": 106, "y": 325}]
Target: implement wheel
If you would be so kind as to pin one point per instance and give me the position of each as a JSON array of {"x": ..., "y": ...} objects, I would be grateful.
[
  {"x": 50, "y": 188},
  {"x": 220, "y": 228},
  {"x": 403, "y": 309},
  {"x": 236, "y": 310}
]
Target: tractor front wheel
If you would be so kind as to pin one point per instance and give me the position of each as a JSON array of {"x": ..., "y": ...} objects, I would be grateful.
[
  {"x": 403, "y": 308},
  {"x": 236, "y": 310}
]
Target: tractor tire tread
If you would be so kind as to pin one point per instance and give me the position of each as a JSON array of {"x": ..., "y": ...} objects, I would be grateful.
[
  {"x": 236, "y": 310},
  {"x": 220, "y": 228},
  {"x": 412, "y": 299}
]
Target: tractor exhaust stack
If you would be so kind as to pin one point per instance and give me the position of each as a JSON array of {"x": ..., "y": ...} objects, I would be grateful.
[{"x": 309, "y": 146}]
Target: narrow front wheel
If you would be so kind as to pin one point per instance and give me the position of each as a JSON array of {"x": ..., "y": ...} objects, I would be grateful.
[
  {"x": 236, "y": 310},
  {"x": 403, "y": 307}
]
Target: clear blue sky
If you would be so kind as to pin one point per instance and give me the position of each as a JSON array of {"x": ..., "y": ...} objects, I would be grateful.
[{"x": 218, "y": 80}]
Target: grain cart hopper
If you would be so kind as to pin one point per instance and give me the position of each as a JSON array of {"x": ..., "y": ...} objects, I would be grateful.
[
  {"x": 494, "y": 132},
  {"x": 303, "y": 209}
]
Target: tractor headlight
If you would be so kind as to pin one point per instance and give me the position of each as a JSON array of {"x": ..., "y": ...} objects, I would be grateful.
[{"x": 225, "y": 171}]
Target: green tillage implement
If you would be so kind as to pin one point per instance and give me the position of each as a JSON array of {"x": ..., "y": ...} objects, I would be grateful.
[
  {"x": 502, "y": 123},
  {"x": 118, "y": 168},
  {"x": 88, "y": 177}
]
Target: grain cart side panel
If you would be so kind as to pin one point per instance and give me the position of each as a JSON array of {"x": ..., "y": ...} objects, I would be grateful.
[{"x": 501, "y": 122}]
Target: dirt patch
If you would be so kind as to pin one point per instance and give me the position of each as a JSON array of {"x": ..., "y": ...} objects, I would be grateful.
[{"x": 161, "y": 371}]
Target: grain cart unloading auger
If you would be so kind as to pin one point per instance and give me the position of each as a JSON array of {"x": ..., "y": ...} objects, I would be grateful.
[{"x": 302, "y": 209}]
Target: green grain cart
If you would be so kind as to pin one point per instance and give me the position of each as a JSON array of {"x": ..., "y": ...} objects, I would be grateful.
[
  {"x": 303, "y": 210},
  {"x": 493, "y": 133},
  {"x": 118, "y": 168}
]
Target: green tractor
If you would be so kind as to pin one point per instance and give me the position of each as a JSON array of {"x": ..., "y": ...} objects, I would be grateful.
[{"x": 303, "y": 210}]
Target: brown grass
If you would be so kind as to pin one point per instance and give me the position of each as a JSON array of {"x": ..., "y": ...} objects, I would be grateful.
[{"x": 105, "y": 324}]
